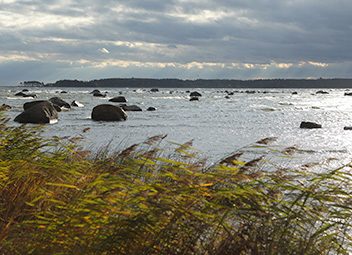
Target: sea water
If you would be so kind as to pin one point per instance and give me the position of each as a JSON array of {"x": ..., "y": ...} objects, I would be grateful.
[{"x": 218, "y": 126}]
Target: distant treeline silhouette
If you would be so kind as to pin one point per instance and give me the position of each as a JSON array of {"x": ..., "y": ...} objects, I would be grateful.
[{"x": 206, "y": 83}]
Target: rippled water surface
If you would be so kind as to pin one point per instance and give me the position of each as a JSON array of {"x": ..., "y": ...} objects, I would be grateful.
[{"x": 217, "y": 125}]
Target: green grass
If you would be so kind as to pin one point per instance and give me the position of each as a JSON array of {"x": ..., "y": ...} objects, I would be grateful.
[{"x": 56, "y": 198}]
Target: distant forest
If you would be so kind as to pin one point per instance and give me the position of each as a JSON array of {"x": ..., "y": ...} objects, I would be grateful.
[{"x": 205, "y": 83}]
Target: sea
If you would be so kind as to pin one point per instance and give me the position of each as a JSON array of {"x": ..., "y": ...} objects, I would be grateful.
[{"x": 216, "y": 125}]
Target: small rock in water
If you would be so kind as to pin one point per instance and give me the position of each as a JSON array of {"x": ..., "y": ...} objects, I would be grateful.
[
  {"x": 119, "y": 99},
  {"x": 151, "y": 108},
  {"x": 321, "y": 92},
  {"x": 194, "y": 99},
  {"x": 98, "y": 94},
  {"x": 77, "y": 104},
  {"x": 309, "y": 125},
  {"x": 5, "y": 107},
  {"x": 195, "y": 94},
  {"x": 131, "y": 108},
  {"x": 294, "y": 93},
  {"x": 347, "y": 128},
  {"x": 348, "y": 94}
]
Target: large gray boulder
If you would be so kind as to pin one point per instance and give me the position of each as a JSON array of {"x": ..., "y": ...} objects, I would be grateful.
[
  {"x": 108, "y": 112},
  {"x": 38, "y": 113},
  {"x": 28, "y": 105},
  {"x": 119, "y": 99},
  {"x": 59, "y": 102}
]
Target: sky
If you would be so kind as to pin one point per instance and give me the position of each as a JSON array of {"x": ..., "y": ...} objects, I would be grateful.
[{"x": 48, "y": 40}]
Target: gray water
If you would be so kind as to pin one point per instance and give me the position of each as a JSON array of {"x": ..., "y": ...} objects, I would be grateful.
[{"x": 218, "y": 126}]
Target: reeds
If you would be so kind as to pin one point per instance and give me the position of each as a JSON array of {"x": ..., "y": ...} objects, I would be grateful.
[{"x": 57, "y": 199}]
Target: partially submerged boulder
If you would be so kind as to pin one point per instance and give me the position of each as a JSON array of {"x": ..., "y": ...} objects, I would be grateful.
[
  {"x": 95, "y": 91},
  {"x": 154, "y": 90},
  {"x": 59, "y": 102},
  {"x": 309, "y": 125},
  {"x": 21, "y": 94},
  {"x": 119, "y": 99},
  {"x": 194, "y": 99},
  {"x": 151, "y": 108},
  {"x": 321, "y": 92},
  {"x": 76, "y": 104},
  {"x": 108, "y": 112},
  {"x": 28, "y": 105},
  {"x": 39, "y": 113},
  {"x": 195, "y": 94},
  {"x": 98, "y": 94},
  {"x": 131, "y": 108}
]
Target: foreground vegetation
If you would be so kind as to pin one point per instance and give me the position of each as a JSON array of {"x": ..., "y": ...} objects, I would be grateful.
[{"x": 58, "y": 199}]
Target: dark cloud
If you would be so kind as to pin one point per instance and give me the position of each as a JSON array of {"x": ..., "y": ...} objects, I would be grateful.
[{"x": 163, "y": 38}]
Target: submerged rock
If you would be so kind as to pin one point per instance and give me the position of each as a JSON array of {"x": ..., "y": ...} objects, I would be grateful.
[
  {"x": 38, "y": 113},
  {"x": 309, "y": 125},
  {"x": 108, "y": 112}
]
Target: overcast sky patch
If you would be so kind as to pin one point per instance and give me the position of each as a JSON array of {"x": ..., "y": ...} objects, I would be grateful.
[{"x": 185, "y": 39}]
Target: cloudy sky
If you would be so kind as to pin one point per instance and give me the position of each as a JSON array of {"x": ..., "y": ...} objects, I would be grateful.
[{"x": 48, "y": 40}]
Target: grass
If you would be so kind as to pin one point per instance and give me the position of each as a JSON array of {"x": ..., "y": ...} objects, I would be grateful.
[{"x": 56, "y": 198}]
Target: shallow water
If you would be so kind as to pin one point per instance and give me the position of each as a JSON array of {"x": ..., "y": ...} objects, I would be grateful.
[{"x": 218, "y": 126}]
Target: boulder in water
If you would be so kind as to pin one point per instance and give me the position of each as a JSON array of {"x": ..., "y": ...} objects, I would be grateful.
[
  {"x": 21, "y": 94},
  {"x": 195, "y": 94},
  {"x": 98, "y": 94},
  {"x": 309, "y": 125},
  {"x": 76, "y": 104},
  {"x": 59, "y": 102},
  {"x": 347, "y": 128},
  {"x": 95, "y": 91},
  {"x": 5, "y": 107},
  {"x": 119, "y": 99},
  {"x": 39, "y": 113},
  {"x": 151, "y": 109},
  {"x": 154, "y": 90},
  {"x": 131, "y": 108},
  {"x": 28, "y": 105},
  {"x": 194, "y": 99},
  {"x": 108, "y": 112},
  {"x": 321, "y": 92}
]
